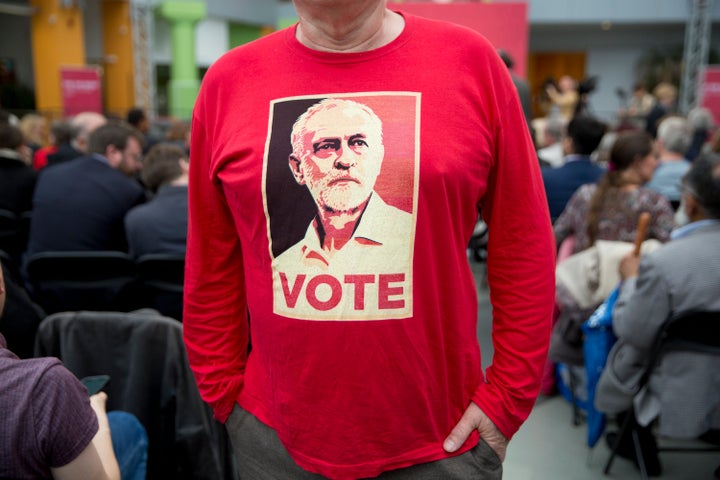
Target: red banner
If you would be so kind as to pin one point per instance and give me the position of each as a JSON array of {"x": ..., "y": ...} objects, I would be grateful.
[
  {"x": 81, "y": 90},
  {"x": 504, "y": 24},
  {"x": 710, "y": 91}
]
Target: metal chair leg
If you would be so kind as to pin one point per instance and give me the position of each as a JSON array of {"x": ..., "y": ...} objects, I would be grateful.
[
  {"x": 614, "y": 448},
  {"x": 639, "y": 454}
]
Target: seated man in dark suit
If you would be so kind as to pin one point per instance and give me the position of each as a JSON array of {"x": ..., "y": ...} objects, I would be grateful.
[
  {"x": 681, "y": 277},
  {"x": 584, "y": 134},
  {"x": 80, "y": 205},
  {"x": 160, "y": 226}
]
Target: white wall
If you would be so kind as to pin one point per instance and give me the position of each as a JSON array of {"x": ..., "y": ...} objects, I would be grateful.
[
  {"x": 211, "y": 41},
  {"x": 612, "y": 55},
  {"x": 620, "y": 11},
  {"x": 259, "y": 12}
]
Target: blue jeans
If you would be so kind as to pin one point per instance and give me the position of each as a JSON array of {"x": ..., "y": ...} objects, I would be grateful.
[{"x": 130, "y": 443}]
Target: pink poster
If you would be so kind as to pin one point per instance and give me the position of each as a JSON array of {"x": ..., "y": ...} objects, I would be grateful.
[
  {"x": 81, "y": 90},
  {"x": 710, "y": 91},
  {"x": 504, "y": 24}
]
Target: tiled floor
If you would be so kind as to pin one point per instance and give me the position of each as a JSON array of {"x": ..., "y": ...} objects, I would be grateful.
[{"x": 550, "y": 447}]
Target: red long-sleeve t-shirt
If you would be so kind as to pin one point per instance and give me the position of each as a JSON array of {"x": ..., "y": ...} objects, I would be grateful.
[{"x": 365, "y": 358}]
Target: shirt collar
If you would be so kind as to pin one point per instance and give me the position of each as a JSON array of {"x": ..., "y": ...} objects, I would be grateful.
[
  {"x": 690, "y": 228},
  {"x": 10, "y": 153},
  {"x": 574, "y": 157},
  {"x": 370, "y": 229},
  {"x": 100, "y": 158}
]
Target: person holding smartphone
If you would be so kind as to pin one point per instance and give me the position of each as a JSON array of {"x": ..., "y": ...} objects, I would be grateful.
[{"x": 52, "y": 428}]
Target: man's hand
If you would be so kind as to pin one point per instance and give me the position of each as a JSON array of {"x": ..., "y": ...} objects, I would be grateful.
[
  {"x": 97, "y": 402},
  {"x": 629, "y": 265},
  {"x": 472, "y": 419}
]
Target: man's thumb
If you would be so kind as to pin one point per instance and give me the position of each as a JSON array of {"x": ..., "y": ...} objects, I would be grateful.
[{"x": 459, "y": 434}]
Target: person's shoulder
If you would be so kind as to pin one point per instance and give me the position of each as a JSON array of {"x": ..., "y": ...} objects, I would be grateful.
[
  {"x": 41, "y": 372},
  {"x": 588, "y": 188},
  {"x": 675, "y": 254},
  {"x": 549, "y": 172},
  {"x": 137, "y": 214},
  {"x": 586, "y": 191},
  {"x": 648, "y": 196}
]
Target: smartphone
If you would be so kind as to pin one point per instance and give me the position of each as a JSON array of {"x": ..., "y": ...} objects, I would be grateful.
[{"x": 95, "y": 383}]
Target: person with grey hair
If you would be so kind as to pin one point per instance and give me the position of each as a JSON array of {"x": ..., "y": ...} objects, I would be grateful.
[
  {"x": 551, "y": 153},
  {"x": 701, "y": 122},
  {"x": 81, "y": 125},
  {"x": 682, "y": 276},
  {"x": 673, "y": 140}
]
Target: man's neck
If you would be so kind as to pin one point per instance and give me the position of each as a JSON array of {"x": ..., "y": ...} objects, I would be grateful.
[
  {"x": 338, "y": 227},
  {"x": 181, "y": 180},
  {"x": 357, "y": 28},
  {"x": 668, "y": 156}
]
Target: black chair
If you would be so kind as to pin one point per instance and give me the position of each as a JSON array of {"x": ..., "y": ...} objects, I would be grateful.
[
  {"x": 160, "y": 283},
  {"x": 692, "y": 332},
  {"x": 144, "y": 355},
  {"x": 83, "y": 280}
]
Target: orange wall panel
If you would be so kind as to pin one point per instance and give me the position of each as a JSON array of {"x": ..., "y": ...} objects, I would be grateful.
[
  {"x": 118, "y": 50},
  {"x": 58, "y": 40}
]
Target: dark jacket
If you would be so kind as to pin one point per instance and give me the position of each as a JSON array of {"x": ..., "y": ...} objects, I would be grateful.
[
  {"x": 81, "y": 205},
  {"x": 17, "y": 183},
  {"x": 145, "y": 357},
  {"x": 160, "y": 225},
  {"x": 64, "y": 153},
  {"x": 561, "y": 183}
]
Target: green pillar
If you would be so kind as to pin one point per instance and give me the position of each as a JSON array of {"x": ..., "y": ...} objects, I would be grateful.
[
  {"x": 240, "y": 34},
  {"x": 184, "y": 81}
]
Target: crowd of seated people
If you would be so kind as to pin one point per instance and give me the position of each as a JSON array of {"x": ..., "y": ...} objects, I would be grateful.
[
  {"x": 659, "y": 161},
  {"x": 608, "y": 210},
  {"x": 100, "y": 184},
  {"x": 681, "y": 277},
  {"x": 91, "y": 189},
  {"x": 85, "y": 190}
]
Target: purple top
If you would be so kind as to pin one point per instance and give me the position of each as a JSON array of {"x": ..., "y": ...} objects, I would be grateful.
[
  {"x": 615, "y": 224},
  {"x": 46, "y": 419}
]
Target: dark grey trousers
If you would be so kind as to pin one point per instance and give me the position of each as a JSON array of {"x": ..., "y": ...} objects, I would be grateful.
[{"x": 261, "y": 456}]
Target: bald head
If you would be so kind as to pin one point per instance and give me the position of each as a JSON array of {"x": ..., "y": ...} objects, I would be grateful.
[{"x": 84, "y": 124}]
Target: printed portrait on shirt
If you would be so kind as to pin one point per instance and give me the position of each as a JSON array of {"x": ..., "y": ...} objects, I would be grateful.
[{"x": 340, "y": 191}]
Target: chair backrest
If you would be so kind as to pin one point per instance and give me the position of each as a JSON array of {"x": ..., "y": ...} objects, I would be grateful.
[
  {"x": 163, "y": 270},
  {"x": 160, "y": 283},
  {"x": 144, "y": 355},
  {"x": 695, "y": 331},
  {"x": 82, "y": 280}
]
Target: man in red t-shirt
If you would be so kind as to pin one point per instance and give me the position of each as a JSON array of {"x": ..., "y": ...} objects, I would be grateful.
[{"x": 368, "y": 363}]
